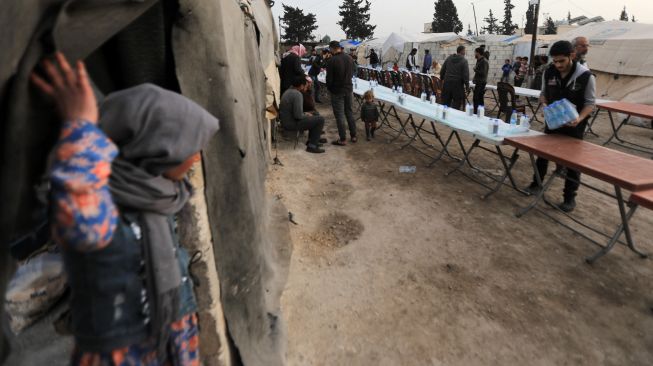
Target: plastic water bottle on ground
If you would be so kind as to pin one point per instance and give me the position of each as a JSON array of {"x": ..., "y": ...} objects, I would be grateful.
[{"x": 410, "y": 169}]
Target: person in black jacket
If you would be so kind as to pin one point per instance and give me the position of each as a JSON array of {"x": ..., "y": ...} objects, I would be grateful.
[
  {"x": 455, "y": 74},
  {"x": 340, "y": 70},
  {"x": 374, "y": 58},
  {"x": 480, "y": 77},
  {"x": 369, "y": 114},
  {"x": 568, "y": 79},
  {"x": 313, "y": 72},
  {"x": 291, "y": 67}
]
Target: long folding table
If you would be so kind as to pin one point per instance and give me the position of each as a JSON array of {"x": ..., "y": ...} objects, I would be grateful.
[
  {"x": 622, "y": 171},
  {"x": 420, "y": 113},
  {"x": 630, "y": 110}
]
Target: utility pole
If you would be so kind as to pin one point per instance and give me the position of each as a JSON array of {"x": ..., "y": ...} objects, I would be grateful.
[
  {"x": 475, "y": 22},
  {"x": 534, "y": 40}
]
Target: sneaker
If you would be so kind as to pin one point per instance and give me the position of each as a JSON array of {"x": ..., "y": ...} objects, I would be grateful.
[
  {"x": 534, "y": 189},
  {"x": 354, "y": 139},
  {"x": 323, "y": 140},
  {"x": 315, "y": 150},
  {"x": 339, "y": 142},
  {"x": 568, "y": 205}
]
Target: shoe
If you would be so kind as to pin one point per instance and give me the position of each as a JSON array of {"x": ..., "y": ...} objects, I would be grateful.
[
  {"x": 323, "y": 140},
  {"x": 318, "y": 145},
  {"x": 315, "y": 150},
  {"x": 534, "y": 189},
  {"x": 568, "y": 205},
  {"x": 368, "y": 138},
  {"x": 339, "y": 143},
  {"x": 354, "y": 139}
]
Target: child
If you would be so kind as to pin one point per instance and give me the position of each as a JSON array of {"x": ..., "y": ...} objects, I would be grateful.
[
  {"x": 369, "y": 114},
  {"x": 506, "y": 68}
]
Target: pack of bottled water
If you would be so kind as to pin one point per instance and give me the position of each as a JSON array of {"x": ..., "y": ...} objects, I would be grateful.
[{"x": 559, "y": 113}]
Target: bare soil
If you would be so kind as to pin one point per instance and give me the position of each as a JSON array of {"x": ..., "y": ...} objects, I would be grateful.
[{"x": 416, "y": 269}]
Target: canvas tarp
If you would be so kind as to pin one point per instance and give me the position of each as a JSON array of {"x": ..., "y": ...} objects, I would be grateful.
[
  {"x": 620, "y": 48},
  {"x": 393, "y": 47},
  {"x": 212, "y": 53}
]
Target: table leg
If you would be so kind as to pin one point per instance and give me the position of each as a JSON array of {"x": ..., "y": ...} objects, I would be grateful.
[
  {"x": 402, "y": 130},
  {"x": 615, "y": 130},
  {"x": 530, "y": 106},
  {"x": 496, "y": 101},
  {"x": 591, "y": 124},
  {"x": 417, "y": 129},
  {"x": 508, "y": 164},
  {"x": 466, "y": 154},
  {"x": 445, "y": 150},
  {"x": 543, "y": 189}
]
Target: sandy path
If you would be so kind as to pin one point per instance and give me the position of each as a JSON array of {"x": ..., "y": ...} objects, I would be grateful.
[{"x": 415, "y": 269}]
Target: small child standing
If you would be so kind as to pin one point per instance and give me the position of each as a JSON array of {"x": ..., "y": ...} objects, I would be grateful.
[
  {"x": 369, "y": 114},
  {"x": 507, "y": 67}
]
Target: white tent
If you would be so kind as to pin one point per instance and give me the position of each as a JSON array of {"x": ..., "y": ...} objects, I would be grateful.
[
  {"x": 364, "y": 49},
  {"x": 393, "y": 47},
  {"x": 621, "y": 56}
]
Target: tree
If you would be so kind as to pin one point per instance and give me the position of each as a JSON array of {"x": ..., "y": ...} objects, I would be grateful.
[
  {"x": 550, "y": 26},
  {"x": 634, "y": 19},
  {"x": 355, "y": 19},
  {"x": 297, "y": 26},
  {"x": 325, "y": 39},
  {"x": 530, "y": 20},
  {"x": 507, "y": 26},
  {"x": 492, "y": 26},
  {"x": 568, "y": 17},
  {"x": 445, "y": 18},
  {"x": 624, "y": 15},
  {"x": 469, "y": 30}
]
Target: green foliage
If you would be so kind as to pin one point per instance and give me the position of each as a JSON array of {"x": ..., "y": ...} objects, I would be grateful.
[
  {"x": 355, "y": 19},
  {"x": 507, "y": 26},
  {"x": 445, "y": 18},
  {"x": 492, "y": 24},
  {"x": 550, "y": 26},
  {"x": 297, "y": 26},
  {"x": 530, "y": 20},
  {"x": 624, "y": 15},
  {"x": 325, "y": 39}
]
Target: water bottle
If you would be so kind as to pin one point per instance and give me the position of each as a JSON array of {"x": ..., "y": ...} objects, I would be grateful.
[
  {"x": 513, "y": 120},
  {"x": 423, "y": 97},
  {"x": 445, "y": 112},
  {"x": 495, "y": 127},
  {"x": 432, "y": 99},
  {"x": 480, "y": 111},
  {"x": 490, "y": 126},
  {"x": 469, "y": 109},
  {"x": 394, "y": 89},
  {"x": 525, "y": 123},
  {"x": 400, "y": 89}
]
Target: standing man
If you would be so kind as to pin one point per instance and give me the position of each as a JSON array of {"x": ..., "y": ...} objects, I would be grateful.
[
  {"x": 566, "y": 78},
  {"x": 515, "y": 68},
  {"x": 340, "y": 70},
  {"x": 428, "y": 61},
  {"x": 581, "y": 47},
  {"x": 313, "y": 72},
  {"x": 480, "y": 77},
  {"x": 293, "y": 117},
  {"x": 455, "y": 75},
  {"x": 291, "y": 66},
  {"x": 374, "y": 58},
  {"x": 411, "y": 60}
]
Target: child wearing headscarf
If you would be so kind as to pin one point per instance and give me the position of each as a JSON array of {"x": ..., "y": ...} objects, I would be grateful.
[{"x": 118, "y": 179}]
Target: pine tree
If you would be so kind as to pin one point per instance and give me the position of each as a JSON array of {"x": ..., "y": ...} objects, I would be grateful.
[
  {"x": 507, "y": 26},
  {"x": 624, "y": 15},
  {"x": 297, "y": 26},
  {"x": 445, "y": 18},
  {"x": 634, "y": 19},
  {"x": 355, "y": 19},
  {"x": 469, "y": 30},
  {"x": 550, "y": 26},
  {"x": 492, "y": 26},
  {"x": 530, "y": 20},
  {"x": 568, "y": 17}
]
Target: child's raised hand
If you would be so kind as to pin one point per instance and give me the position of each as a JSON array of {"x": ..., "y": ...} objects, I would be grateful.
[{"x": 69, "y": 89}]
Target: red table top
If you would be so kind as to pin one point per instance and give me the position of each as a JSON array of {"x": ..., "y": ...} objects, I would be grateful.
[
  {"x": 633, "y": 109},
  {"x": 643, "y": 198},
  {"x": 624, "y": 170}
]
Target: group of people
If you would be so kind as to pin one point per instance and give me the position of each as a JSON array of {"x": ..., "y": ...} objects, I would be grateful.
[{"x": 296, "y": 90}]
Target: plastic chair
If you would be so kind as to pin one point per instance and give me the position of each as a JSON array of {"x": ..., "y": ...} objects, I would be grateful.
[
  {"x": 437, "y": 88},
  {"x": 508, "y": 100},
  {"x": 407, "y": 82}
]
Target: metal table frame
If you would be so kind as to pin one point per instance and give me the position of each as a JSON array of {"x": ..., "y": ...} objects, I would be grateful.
[{"x": 613, "y": 238}]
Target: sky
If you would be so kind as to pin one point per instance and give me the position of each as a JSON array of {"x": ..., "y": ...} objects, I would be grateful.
[{"x": 410, "y": 15}]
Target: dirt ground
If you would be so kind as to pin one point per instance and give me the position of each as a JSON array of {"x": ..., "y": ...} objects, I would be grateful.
[{"x": 415, "y": 269}]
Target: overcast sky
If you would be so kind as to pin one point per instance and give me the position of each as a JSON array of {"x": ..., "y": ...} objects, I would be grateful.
[{"x": 410, "y": 15}]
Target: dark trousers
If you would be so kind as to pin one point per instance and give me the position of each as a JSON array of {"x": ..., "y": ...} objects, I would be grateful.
[
  {"x": 316, "y": 88},
  {"x": 342, "y": 109},
  {"x": 313, "y": 124},
  {"x": 453, "y": 94},
  {"x": 519, "y": 81},
  {"x": 479, "y": 95},
  {"x": 572, "y": 183}
]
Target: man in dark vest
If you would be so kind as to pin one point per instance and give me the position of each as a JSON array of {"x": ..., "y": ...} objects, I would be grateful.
[
  {"x": 566, "y": 78},
  {"x": 480, "y": 77},
  {"x": 455, "y": 74},
  {"x": 340, "y": 70}
]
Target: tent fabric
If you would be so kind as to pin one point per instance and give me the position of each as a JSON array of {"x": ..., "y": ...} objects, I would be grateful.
[
  {"x": 209, "y": 51},
  {"x": 620, "y": 48}
]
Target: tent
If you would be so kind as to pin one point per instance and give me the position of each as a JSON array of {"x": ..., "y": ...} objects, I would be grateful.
[
  {"x": 364, "y": 49},
  {"x": 440, "y": 45},
  {"x": 393, "y": 48},
  {"x": 523, "y": 44},
  {"x": 621, "y": 57}
]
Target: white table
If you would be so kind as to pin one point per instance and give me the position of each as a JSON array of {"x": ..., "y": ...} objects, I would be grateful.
[{"x": 457, "y": 122}]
